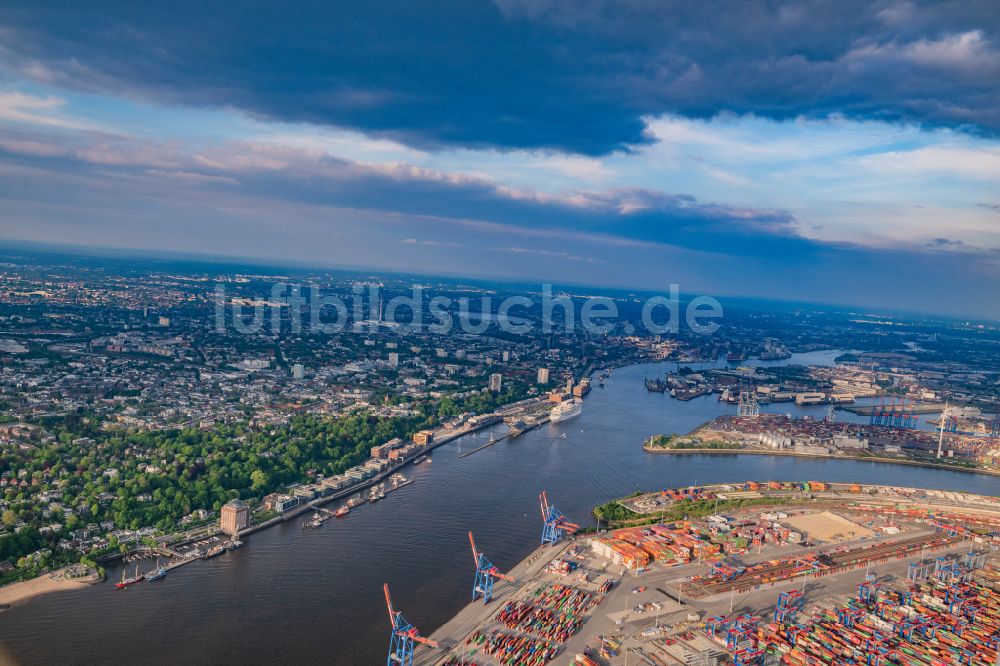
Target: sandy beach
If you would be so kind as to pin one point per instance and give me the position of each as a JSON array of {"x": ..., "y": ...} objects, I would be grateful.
[{"x": 54, "y": 581}]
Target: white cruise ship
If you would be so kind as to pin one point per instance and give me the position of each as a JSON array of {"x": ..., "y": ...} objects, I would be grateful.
[{"x": 566, "y": 410}]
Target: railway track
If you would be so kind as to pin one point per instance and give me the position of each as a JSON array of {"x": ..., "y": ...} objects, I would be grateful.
[{"x": 821, "y": 563}]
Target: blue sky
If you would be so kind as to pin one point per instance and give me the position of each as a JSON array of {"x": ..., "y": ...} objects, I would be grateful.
[{"x": 832, "y": 151}]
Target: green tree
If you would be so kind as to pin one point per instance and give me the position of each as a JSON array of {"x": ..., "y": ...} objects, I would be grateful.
[{"x": 258, "y": 479}]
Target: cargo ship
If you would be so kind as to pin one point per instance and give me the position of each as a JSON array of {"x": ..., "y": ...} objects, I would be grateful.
[
  {"x": 342, "y": 511},
  {"x": 566, "y": 410},
  {"x": 130, "y": 580}
]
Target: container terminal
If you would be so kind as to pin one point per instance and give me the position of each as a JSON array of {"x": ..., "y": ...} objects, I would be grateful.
[{"x": 761, "y": 573}]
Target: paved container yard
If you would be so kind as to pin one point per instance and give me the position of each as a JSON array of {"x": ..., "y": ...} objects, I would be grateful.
[{"x": 698, "y": 587}]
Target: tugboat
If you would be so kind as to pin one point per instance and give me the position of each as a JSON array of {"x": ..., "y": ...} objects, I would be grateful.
[{"x": 126, "y": 581}]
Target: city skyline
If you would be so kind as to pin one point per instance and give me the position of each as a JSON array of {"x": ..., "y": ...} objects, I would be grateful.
[{"x": 788, "y": 151}]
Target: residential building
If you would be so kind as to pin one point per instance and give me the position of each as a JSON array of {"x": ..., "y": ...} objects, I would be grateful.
[{"x": 235, "y": 517}]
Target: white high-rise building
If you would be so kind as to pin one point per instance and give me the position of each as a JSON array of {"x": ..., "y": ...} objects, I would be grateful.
[
  {"x": 543, "y": 376},
  {"x": 496, "y": 382},
  {"x": 394, "y": 359},
  {"x": 298, "y": 371}
]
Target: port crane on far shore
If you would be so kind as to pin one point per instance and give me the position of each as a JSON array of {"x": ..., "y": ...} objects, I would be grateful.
[
  {"x": 404, "y": 636},
  {"x": 486, "y": 574},
  {"x": 555, "y": 523}
]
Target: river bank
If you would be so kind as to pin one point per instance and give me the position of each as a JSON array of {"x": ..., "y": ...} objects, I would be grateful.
[
  {"x": 54, "y": 581},
  {"x": 792, "y": 454}
]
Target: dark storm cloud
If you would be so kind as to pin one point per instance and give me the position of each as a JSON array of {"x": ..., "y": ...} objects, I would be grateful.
[{"x": 561, "y": 74}]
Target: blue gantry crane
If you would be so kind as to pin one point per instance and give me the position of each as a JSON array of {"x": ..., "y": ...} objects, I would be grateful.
[
  {"x": 404, "y": 636},
  {"x": 897, "y": 413},
  {"x": 486, "y": 574},
  {"x": 555, "y": 524}
]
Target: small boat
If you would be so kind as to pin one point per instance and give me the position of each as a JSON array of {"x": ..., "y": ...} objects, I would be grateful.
[
  {"x": 233, "y": 545},
  {"x": 317, "y": 521},
  {"x": 157, "y": 574},
  {"x": 419, "y": 460},
  {"x": 126, "y": 581},
  {"x": 398, "y": 481},
  {"x": 656, "y": 385}
]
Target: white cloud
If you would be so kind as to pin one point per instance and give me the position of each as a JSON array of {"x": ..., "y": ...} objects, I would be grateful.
[
  {"x": 21, "y": 107},
  {"x": 345, "y": 144},
  {"x": 580, "y": 168},
  {"x": 967, "y": 52},
  {"x": 937, "y": 160},
  {"x": 431, "y": 243}
]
